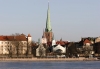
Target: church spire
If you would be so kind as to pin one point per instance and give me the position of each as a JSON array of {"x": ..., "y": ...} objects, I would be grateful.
[{"x": 48, "y": 23}]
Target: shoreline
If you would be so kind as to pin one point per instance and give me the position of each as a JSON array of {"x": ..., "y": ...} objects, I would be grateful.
[{"x": 47, "y": 59}]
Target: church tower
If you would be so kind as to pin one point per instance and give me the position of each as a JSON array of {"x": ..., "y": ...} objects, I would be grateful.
[
  {"x": 29, "y": 44},
  {"x": 44, "y": 39},
  {"x": 53, "y": 41},
  {"x": 48, "y": 29}
]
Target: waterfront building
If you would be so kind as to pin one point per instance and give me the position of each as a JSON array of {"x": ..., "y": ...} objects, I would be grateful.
[
  {"x": 86, "y": 42},
  {"x": 90, "y": 40},
  {"x": 41, "y": 50},
  {"x": 97, "y": 39},
  {"x": 59, "y": 49},
  {"x": 15, "y": 44},
  {"x": 88, "y": 50}
]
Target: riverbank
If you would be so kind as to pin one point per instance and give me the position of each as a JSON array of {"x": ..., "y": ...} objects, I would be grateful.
[{"x": 46, "y": 59}]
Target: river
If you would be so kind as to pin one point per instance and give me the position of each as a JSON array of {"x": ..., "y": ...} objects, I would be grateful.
[{"x": 50, "y": 65}]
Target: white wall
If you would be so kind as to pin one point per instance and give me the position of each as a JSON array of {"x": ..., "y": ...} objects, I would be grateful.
[
  {"x": 59, "y": 47},
  {"x": 4, "y": 45}
]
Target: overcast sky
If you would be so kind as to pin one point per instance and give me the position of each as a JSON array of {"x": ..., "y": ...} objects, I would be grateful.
[{"x": 70, "y": 19}]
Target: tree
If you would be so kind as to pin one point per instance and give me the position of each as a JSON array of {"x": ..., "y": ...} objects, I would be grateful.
[
  {"x": 9, "y": 49},
  {"x": 72, "y": 49},
  {"x": 17, "y": 45},
  {"x": 41, "y": 51},
  {"x": 34, "y": 47},
  {"x": 87, "y": 50}
]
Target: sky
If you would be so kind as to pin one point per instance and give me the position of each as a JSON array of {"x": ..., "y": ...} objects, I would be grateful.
[{"x": 70, "y": 19}]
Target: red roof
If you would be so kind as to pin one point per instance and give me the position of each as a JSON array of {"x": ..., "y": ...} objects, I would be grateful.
[
  {"x": 61, "y": 42},
  {"x": 86, "y": 41},
  {"x": 29, "y": 35},
  {"x": 12, "y": 38}
]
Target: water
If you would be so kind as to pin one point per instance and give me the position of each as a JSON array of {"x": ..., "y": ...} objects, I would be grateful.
[{"x": 51, "y": 65}]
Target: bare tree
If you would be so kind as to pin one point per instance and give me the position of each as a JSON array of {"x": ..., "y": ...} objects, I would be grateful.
[
  {"x": 41, "y": 51},
  {"x": 72, "y": 50},
  {"x": 17, "y": 45},
  {"x": 87, "y": 50},
  {"x": 9, "y": 49}
]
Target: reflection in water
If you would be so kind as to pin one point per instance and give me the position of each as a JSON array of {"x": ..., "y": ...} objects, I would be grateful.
[{"x": 51, "y": 65}]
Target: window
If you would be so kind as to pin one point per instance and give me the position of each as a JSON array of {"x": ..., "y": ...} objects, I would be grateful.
[
  {"x": 5, "y": 42},
  {"x": 2, "y": 42},
  {"x": 1, "y": 46},
  {"x": 24, "y": 42}
]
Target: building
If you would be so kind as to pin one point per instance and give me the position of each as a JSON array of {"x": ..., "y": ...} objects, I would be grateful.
[
  {"x": 44, "y": 39},
  {"x": 58, "y": 48},
  {"x": 48, "y": 30},
  {"x": 53, "y": 41},
  {"x": 97, "y": 39},
  {"x": 89, "y": 40},
  {"x": 15, "y": 44},
  {"x": 41, "y": 51}
]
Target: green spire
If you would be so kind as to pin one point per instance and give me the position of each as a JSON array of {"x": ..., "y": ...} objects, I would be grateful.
[{"x": 48, "y": 23}]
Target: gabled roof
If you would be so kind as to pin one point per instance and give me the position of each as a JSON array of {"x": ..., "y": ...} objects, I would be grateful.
[
  {"x": 13, "y": 38},
  {"x": 61, "y": 42},
  {"x": 87, "y": 41},
  {"x": 89, "y": 38}
]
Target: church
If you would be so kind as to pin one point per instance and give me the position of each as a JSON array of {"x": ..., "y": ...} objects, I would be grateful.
[{"x": 47, "y": 34}]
